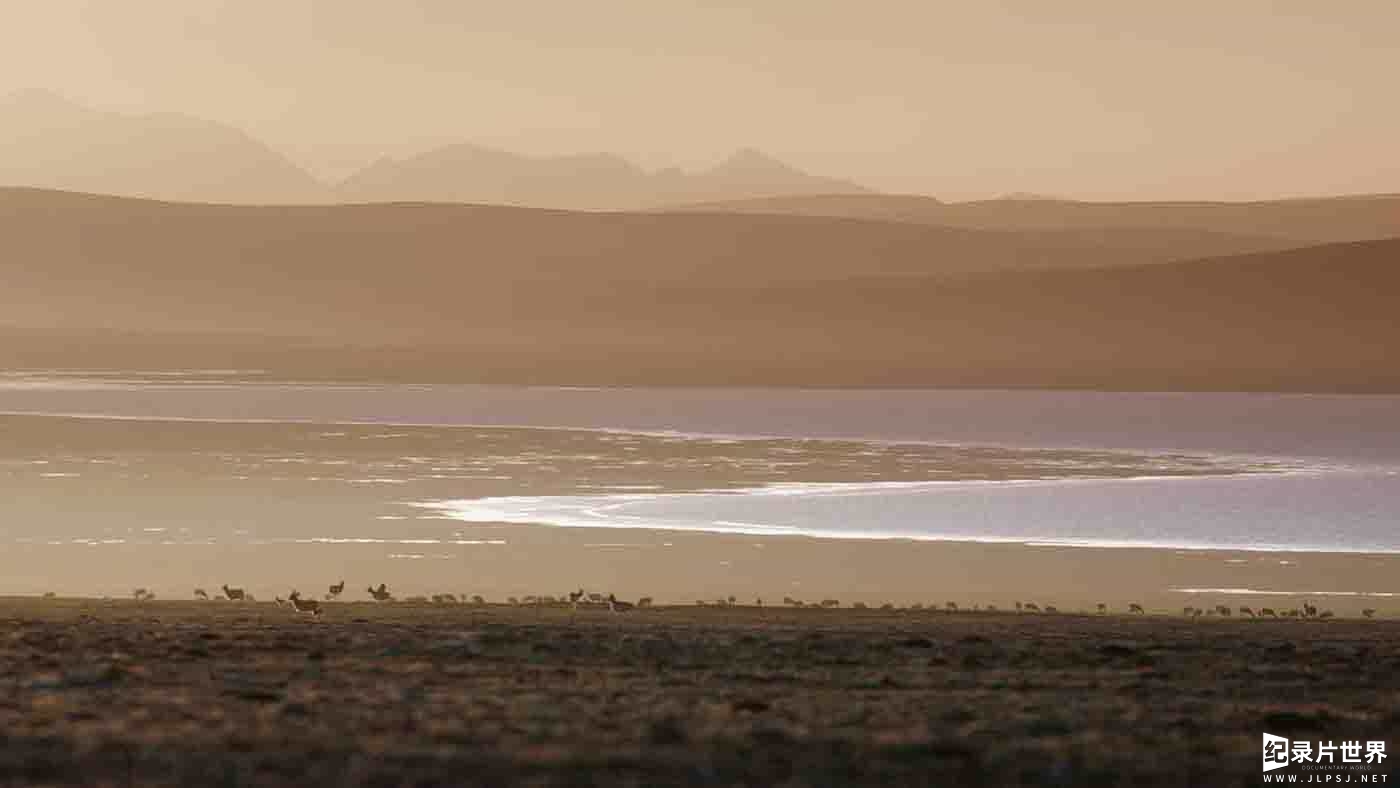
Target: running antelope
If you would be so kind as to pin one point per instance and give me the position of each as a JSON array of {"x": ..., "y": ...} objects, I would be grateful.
[
  {"x": 234, "y": 594},
  {"x": 200, "y": 593},
  {"x": 617, "y": 606},
  {"x": 334, "y": 592},
  {"x": 380, "y": 594},
  {"x": 1136, "y": 608},
  {"x": 304, "y": 605}
]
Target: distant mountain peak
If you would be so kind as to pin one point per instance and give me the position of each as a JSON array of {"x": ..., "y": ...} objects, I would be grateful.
[
  {"x": 755, "y": 162},
  {"x": 48, "y": 141}
]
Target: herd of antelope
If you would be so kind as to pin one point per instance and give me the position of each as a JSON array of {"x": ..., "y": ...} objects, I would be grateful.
[
  {"x": 294, "y": 600},
  {"x": 583, "y": 599}
]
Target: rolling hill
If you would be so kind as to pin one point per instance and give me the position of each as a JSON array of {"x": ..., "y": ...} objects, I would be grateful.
[
  {"x": 1318, "y": 220},
  {"x": 505, "y": 294}
]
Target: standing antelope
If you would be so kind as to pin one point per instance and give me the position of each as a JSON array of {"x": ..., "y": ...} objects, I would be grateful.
[
  {"x": 1136, "y": 608},
  {"x": 334, "y": 592},
  {"x": 617, "y": 606},
  {"x": 234, "y": 594},
  {"x": 380, "y": 594},
  {"x": 200, "y": 593}
]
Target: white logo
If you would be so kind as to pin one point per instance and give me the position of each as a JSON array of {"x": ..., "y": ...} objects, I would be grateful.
[
  {"x": 1321, "y": 755},
  {"x": 1275, "y": 752}
]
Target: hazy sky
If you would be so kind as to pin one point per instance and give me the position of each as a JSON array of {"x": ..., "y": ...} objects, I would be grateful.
[{"x": 1085, "y": 98}]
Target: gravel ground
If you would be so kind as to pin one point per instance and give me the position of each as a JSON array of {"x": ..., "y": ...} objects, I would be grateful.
[{"x": 183, "y": 693}]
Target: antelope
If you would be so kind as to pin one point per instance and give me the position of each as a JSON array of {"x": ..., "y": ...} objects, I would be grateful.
[
  {"x": 1188, "y": 611},
  {"x": 1103, "y": 608},
  {"x": 575, "y": 597},
  {"x": 831, "y": 603},
  {"x": 1051, "y": 609},
  {"x": 1369, "y": 612},
  {"x": 1136, "y": 608},
  {"x": 1325, "y": 614},
  {"x": 1033, "y": 607},
  {"x": 952, "y": 607},
  {"x": 380, "y": 594},
  {"x": 644, "y": 602},
  {"x": 513, "y": 601},
  {"x": 617, "y": 606},
  {"x": 1018, "y": 607},
  {"x": 1267, "y": 611},
  {"x": 304, "y": 605},
  {"x": 200, "y": 593},
  {"x": 1223, "y": 610},
  {"x": 279, "y": 600},
  {"x": 234, "y": 594},
  {"x": 1245, "y": 611},
  {"x": 478, "y": 600},
  {"x": 1308, "y": 610},
  {"x": 334, "y": 592},
  {"x": 597, "y": 599}
]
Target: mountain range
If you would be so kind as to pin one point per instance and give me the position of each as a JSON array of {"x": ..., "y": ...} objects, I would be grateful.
[{"x": 49, "y": 142}]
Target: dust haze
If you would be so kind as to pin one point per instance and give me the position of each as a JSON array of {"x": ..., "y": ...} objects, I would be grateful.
[{"x": 1086, "y": 100}]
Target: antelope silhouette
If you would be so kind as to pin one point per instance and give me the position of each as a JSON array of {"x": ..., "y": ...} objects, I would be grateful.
[{"x": 304, "y": 605}]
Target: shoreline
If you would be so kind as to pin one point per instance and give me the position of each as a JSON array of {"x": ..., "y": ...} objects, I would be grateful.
[
  {"x": 597, "y": 511},
  {"x": 681, "y": 569}
]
